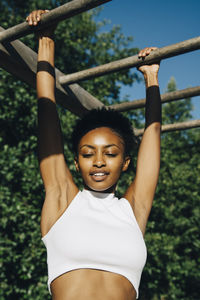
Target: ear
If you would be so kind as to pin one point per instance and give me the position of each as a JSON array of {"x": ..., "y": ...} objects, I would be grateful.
[
  {"x": 76, "y": 164},
  {"x": 126, "y": 163}
]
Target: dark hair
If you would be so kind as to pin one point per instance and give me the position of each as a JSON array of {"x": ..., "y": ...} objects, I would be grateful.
[{"x": 104, "y": 117}]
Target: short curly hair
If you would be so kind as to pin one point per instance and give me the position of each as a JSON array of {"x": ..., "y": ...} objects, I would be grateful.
[{"x": 103, "y": 117}]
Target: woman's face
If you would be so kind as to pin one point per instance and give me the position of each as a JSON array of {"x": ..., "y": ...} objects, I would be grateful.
[{"x": 101, "y": 159}]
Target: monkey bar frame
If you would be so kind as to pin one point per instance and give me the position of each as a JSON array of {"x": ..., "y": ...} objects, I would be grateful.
[{"x": 21, "y": 61}]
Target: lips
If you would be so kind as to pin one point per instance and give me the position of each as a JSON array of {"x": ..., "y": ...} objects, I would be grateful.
[{"x": 99, "y": 175}]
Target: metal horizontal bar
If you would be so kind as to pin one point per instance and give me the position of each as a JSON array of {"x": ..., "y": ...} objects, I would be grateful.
[
  {"x": 167, "y": 97},
  {"x": 173, "y": 127},
  {"x": 60, "y": 13},
  {"x": 133, "y": 61}
]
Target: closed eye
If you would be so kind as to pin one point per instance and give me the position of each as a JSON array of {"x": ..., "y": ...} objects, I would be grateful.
[
  {"x": 87, "y": 155},
  {"x": 111, "y": 154}
]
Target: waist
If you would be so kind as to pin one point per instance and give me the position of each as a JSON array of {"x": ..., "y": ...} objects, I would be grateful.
[{"x": 92, "y": 284}]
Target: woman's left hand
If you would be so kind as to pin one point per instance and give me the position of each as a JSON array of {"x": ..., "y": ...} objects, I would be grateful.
[{"x": 148, "y": 68}]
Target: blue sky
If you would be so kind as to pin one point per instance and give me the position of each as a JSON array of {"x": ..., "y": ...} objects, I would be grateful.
[{"x": 161, "y": 23}]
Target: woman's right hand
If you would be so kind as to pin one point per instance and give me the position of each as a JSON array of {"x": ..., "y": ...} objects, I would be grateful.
[
  {"x": 35, "y": 16},
  {"x": 34, "y": 19}
]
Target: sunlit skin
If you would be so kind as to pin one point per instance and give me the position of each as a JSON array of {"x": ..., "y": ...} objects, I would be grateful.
[{"x": 101, "y": 159}]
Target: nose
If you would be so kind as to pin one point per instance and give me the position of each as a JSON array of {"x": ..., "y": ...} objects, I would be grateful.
[{"x": 99, "y": 161}]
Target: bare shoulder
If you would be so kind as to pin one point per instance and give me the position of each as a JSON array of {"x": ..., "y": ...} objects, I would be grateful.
[
  {"x": 139, "y": 210},
  {"x": 57, "y": 199}
]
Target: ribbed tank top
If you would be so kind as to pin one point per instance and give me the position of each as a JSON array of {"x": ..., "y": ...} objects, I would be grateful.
[{"x": 97, "y": 231}]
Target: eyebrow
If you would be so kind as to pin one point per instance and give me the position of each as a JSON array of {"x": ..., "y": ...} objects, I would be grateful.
[{"x": 92, "y": 147}]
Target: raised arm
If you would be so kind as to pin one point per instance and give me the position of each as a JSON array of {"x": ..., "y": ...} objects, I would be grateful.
[
  {"x": 141, "y": 191},
  {"x": 58, "y": 182}
]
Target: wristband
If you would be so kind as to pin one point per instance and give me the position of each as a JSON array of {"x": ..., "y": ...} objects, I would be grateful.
[
  {"x": 45, "y": 66},
  {"x": 153, "y": 106}
]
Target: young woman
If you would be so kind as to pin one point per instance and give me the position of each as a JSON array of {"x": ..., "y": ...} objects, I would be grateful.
[{"x": 94, "y": 241}]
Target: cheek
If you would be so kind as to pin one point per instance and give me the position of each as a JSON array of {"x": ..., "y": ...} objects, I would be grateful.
[
  {"x": 117, "y": 165},
  {"x": 84, "y": 164}
]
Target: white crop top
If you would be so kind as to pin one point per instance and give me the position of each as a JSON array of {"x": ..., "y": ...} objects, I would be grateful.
[{"x": 97, "y": 231}]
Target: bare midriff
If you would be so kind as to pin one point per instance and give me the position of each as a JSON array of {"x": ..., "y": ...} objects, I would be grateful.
[{"x": 92, "y": 284}]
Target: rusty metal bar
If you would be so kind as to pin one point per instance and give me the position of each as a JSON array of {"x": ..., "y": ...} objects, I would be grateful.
[
  {"x": 133, "y": 61},
  {"x": 60, "y": 13}
]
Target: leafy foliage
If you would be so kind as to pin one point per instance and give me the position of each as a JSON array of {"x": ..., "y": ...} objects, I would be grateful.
[{"x": 172, "y": 234}]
